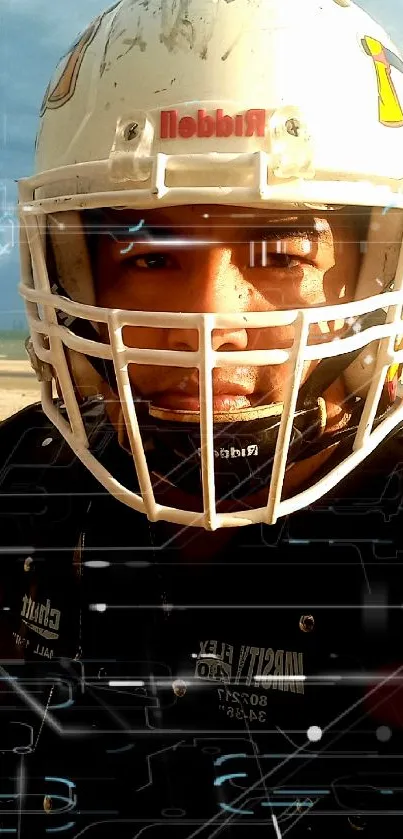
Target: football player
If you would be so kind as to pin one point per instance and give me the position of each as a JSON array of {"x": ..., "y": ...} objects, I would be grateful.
[{"x": 205, "y": 509}]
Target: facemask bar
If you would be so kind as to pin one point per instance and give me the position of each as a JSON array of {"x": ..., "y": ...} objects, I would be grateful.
[
  {"x": 255, "y": 177},
  {"x": 45, "y": 323}
]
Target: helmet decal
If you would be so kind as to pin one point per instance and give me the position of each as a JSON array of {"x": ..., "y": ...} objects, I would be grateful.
[
  {"x": 65, "y": 85},
  {"x": 390, "y": 109}
]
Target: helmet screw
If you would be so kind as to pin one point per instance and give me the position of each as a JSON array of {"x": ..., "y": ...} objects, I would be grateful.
[
  {"x": 293, "y": 127},
  {"x": 131, "y": 131}
]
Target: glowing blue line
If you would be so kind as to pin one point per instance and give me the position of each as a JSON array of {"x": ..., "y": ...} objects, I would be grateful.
[
  {"x": 66, "y": 781},
  {"x": 301, "y": 791},
  {"x": 229, "y": 809},
  {"x": 223, "y": 758},
  {"x": 285, "y": 804},
  {"x": 134, "y": 229},
  {"x": 219, "y": 781},
  {"x": 128, "y": 249},
  {"x": 393, "y": 206},
  {"x": 59, "y": 829},
  {"x": 299, "y": 541},
  {"x": 66, "y": 704}
]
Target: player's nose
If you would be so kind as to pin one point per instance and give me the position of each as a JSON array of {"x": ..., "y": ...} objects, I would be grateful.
[{"x": 214, "y": 284}]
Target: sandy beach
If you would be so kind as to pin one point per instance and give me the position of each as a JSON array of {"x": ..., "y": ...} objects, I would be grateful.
[{"x": 18, "y": 387}]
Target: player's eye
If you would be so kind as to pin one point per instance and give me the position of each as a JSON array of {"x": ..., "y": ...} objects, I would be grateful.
[
  {"x": 151, "y": 261},
  {"x": 282, "y": 260},
  {"x": 263, "y": 255}
]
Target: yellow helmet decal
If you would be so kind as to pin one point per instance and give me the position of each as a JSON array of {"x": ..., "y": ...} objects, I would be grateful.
[{"x": 390, "y": 109}]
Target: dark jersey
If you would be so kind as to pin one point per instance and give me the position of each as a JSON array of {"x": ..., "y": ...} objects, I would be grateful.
[{"x": 151, "y": 687}]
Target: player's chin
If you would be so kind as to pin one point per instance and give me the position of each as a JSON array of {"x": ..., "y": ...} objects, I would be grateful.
[{"x": 167, "y": 494}]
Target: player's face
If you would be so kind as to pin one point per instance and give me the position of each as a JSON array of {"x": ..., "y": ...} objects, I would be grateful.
[{"x": 214, "y": 259}]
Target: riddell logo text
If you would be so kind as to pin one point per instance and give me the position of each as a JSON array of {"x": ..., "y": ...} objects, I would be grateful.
[
  {"x": 232, "y": 452},
  {"x": 249, "y": 124}
]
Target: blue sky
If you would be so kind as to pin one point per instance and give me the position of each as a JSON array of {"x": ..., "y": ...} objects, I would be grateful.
[{"x": 33, "y": 36}]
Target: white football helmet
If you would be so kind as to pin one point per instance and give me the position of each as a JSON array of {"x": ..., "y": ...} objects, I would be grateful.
[{"x": 277, "y": 104}]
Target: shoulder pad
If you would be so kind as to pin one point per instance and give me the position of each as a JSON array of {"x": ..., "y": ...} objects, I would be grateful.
[
  {"x": 29, "y": 438},
  {"x": 42, "y": 481}
]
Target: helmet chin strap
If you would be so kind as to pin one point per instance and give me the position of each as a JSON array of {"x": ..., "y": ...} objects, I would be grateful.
[{"x": 244, "y": 443}]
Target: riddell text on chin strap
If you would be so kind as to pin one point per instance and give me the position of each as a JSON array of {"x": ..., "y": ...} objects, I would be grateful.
[{"x": 243, "y": 451}]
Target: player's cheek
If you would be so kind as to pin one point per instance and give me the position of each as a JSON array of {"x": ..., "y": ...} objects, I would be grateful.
[
  {"x": 147, "y": 338},
  {"x": 311, "y": 290}
]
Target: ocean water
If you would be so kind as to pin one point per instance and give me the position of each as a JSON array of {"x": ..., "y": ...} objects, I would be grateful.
[{"x": 12, "y": 346}]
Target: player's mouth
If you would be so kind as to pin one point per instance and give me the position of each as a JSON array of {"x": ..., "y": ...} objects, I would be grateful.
[
  {"x": 179, "y": 401},
  {"x": 227, "y": 397}
]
